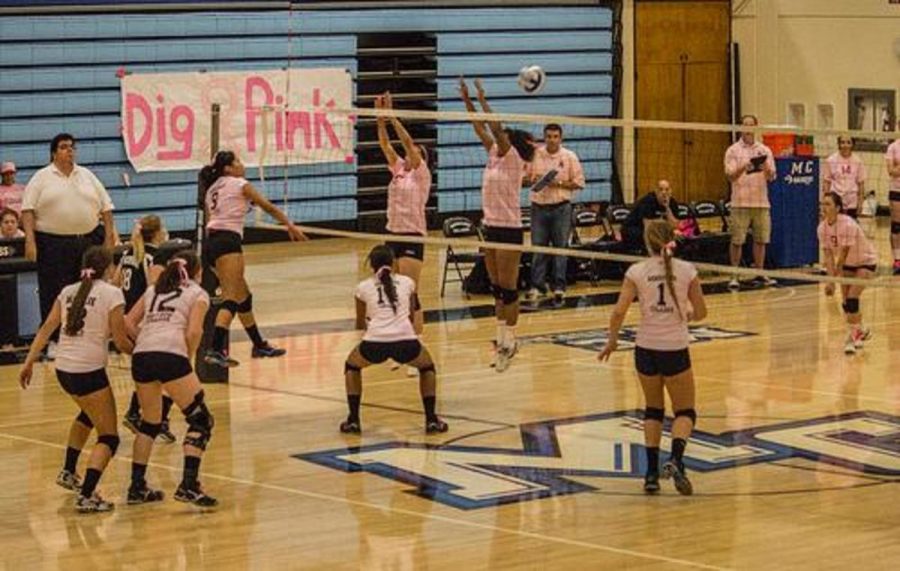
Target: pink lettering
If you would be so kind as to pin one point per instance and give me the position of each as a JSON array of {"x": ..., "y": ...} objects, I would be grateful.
[
  {"x": 182, "y": 133},
  {"x": 253, "y": 86},
  {"x": 136, "y": 104}
]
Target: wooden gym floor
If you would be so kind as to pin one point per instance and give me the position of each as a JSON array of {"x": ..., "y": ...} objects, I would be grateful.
[{"x": 795, "y": 464}]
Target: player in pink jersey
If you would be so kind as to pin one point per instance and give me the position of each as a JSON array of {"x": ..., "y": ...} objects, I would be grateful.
[
  {"x": 168, "y": 324},
  {"x": 892, "y": 161},
  {"x": 228, "y": 198},
  {"x": 88, "y": 311},
  {"x": 384, "y": 312},
  {"x": 845, "y": 174},
  {"x": 670, "y": 296},
  {"x": 510, "y": 151},
  {"x": 407, "y": 196},
  {"x": 847, "y": 253}
]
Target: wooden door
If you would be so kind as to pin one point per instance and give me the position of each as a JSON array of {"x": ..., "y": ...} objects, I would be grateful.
[{"x": 682, "y": 74}]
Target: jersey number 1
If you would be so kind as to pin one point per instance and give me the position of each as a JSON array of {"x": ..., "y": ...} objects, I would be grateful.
[{"x": 662, "y": 295}]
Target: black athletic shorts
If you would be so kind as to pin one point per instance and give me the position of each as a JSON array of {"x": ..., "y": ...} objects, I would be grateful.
[
  {"x": 894, "y": 196},
  {"x": 651, "y": 363},
  {"x": 400, "y": 351},
  {"x": 81, "y": 384},
  {"x": 504, "y": 235},
  {"x": 406, "y": 249},
  {"x": 852, "y": 213},
  {"x": 870, "y": 267},
  {"x": 158, "y": 366},
  {"x": 221, "y": 242}
]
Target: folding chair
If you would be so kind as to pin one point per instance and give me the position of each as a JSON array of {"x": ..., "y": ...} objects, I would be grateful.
[
  {"x": 459, "y": 227},
  {"x": 708, "y": 210},
  {"x": 582, "y": 218}
]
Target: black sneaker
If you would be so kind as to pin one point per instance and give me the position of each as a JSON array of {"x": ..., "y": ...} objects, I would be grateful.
[
  {"x": 651, "y": 483},
  {"x": 68, "y": 480},
  {"x": 436, "y": 426},
  {"x": 219, "y": 359},
  {"x": 266, "y": 350},
  {"x": 93, "y": 504},
  {"x": 142, "y": 494},
  {"x": 132, "y": 421},
  {"x": 165, "y": 434},
  {"x": 675, "y": 471},
  {"x": 351, "y": 426},
  {"x": 195, "y": 495}
]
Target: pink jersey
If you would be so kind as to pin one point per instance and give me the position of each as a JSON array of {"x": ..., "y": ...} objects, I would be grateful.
[
  {"x": 11, "y": 196},
  {"x": 227, "y": 205},
  {"x": 750, "y": 190},
  {"x": 846, "y": 175},
  {"x": 892, "y": 156},
  {"x": 500, "y": 188},
  {"x": 166, "y": 318},
  {"x": 407, "y": 195},
  {"x": 846, "y": 233},
  {"x": 662, "y": 328},
  {"x": 87, "y": 351}
]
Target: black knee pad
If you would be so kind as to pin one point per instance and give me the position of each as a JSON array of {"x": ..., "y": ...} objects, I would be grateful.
[
  {"x": 851, "y": 306},
  {"x": 348, "y": 368},
  {"x": 895, "y": 227},
  {"x": 427, "y": 369},
  {"x": 200, "y": 421},
  {"x": 111, "y": 441},
  {"x": 84, "y": 419},
  {"x": 509, "y": 295},
  {"x": 149, "y": 429},
  {"x": 652, "y": 413},
  {"x": 496, "y": 291},
  {"x": 416, "y": 305},
  {"x": 231, "y": 306},
  {"x": 246, "y": 305},
  {"x": 688, "y": 412}
]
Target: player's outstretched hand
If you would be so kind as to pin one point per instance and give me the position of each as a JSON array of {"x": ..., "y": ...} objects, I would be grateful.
[{"x": 608, "y": 349}]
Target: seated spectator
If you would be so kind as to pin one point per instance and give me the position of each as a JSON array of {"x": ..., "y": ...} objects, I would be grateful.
[
  {"x": 655, "y": 205},
  {"x": 9, "y": 225},
  {"x": 10, "y": 192}
]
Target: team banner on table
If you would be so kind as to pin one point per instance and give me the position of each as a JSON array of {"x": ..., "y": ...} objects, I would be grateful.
[{"x": 271, "y": 117}]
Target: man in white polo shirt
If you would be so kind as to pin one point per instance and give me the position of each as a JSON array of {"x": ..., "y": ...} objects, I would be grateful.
[{"x": 62, "y": 208}]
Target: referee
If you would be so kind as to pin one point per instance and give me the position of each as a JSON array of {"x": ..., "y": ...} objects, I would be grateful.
[{"x": 62, "y": 209}]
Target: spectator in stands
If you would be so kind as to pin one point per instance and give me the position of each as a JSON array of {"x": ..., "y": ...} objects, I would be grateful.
[
  {"x": 10, "y": 192},
  {"x": 845, "y": 174},
  {"x": 9, "y": 224},
  {"x": 551, "y": 209},
  {"x": 749, "y": 166},
  {"x": 62, "y": 208},
  {"x": 655, "y": 205}
]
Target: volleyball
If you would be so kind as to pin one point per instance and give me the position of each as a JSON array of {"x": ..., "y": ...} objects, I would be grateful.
[{"x": 532, "y": 79}]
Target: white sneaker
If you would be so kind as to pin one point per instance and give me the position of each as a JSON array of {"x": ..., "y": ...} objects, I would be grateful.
[
  {"x": 850, "y": 346},
  {"x": 505, "y": 355},
  {"x": 533, "y": 294},
  {"x": 93, "y": 504},
  {"x": 861, "y": 336},
  {"x": 767, "y": 281},
  {"x": 734, "y": 284}
]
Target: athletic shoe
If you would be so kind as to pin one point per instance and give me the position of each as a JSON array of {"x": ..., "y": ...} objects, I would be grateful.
[
  {"x": 533, "y": 295},
  {"x": 93, "y": 504},
  {"x": 766, "y": 281},
  {"x": 144, "y": 495},
  {"x": 132, "y": 421},
  {"x": 165, "y": 435},
  {"x": 436, "y": 426},
  {"x": 412, "y": 372},
  {"x": 672, "y": 470},
  {"x": 68, "y": 480},
  {"x": 734, "y": 284},
  {"x": 651, "y": 483},
  {"x": 195, "y": 495},
  {"x": 504, "y": 355},
  {"x": 862, "y": 334},
  {"x": 559, "y": 298},
  {"x": 351, "y": 426},
  {"x": 219, "y": 359},
  {"x": 850, "y": 345},
  {"x": 266, "y": 350},
  {"x": 896, "y": 267}
]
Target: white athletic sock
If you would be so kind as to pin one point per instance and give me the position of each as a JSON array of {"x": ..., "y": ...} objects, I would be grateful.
[
  {"x": 501, "y": 333},
  {"x": 510, "y": 336}
]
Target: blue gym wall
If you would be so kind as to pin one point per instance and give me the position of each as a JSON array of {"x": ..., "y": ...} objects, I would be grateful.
[{"x": 58, "y": 73}]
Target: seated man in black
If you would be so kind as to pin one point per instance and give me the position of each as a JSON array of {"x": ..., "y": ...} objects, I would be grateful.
[{"x": 652, "y": 206}]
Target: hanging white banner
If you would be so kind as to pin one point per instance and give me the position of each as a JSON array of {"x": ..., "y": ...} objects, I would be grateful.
[{"x": 271, "y": 117}]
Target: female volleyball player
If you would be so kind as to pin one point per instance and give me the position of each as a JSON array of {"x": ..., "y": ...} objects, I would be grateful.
[
  {"x": 88, "y": 311},
  {"x": 228, "y": 198},
  {"x": 383, "y": 311},
  {"x": 892, "y": 160},
  {"x": 509, "y": 153},
  {"x": 139, "y": 267},
  {"x": 845, "y": 174},
  {"x": 848, "y": 253},
  {"x": 407, "y": 195},
  {"x": 670, "y": 296},
  {"x": 170, "y": 318}
]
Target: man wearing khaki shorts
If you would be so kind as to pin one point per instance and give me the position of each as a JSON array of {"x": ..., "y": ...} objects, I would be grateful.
[{"x": 749, "y": 166}]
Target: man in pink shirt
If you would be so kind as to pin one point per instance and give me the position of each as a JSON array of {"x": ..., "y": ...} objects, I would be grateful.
[
  {"x": 551, "y": 209},
  {"x": 749, "y": 166},
  {"x": 10, "y": 192}
]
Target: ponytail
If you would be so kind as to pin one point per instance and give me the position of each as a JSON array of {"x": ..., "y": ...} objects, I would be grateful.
[
  {"x": 94, "y": 264},
  {"x": 381, "y": 260},
  {"x": 211, "y": 173},
  {"x": 670, "y": 278},
  {"x": 179, "y": 270},
  {"x": 145, "y": 229},
  {"x": 660, "y": 239}
]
